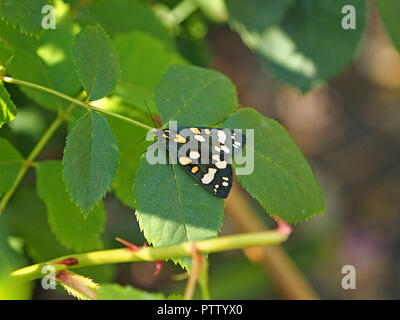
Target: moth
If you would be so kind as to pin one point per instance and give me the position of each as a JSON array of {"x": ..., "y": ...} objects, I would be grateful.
[{"x": 205, "y": 153}]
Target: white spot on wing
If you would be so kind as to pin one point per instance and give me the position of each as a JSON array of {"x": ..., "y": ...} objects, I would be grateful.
[
  {"x": 199, "y": 138},
  {"x": 221, "y": 164},
  {"x": 221, "y": 136},
  {"x": 225, "y": 149},
  {"x": 209, "y": 176},
  {"x": 194, "y": 155}
]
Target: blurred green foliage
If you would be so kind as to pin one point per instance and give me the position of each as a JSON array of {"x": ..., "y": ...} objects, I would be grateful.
[{"x": 124, "y": 49}]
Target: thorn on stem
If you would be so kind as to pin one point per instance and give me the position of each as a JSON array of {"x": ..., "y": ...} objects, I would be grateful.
[
  {"x": 159, "y": 265},
  {"x": 283, "y": 227},
  {"x": 68, "y": 262},
  {"x": 130, "y": 246}
]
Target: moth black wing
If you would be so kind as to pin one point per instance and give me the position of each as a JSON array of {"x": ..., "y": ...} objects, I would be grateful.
[
  {"x": 211, "y": 168},
  {"x": 217, "y": 181}
]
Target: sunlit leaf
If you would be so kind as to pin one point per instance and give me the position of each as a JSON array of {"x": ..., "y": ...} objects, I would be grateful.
[
  {"x": 96, "y": 62},
  {"x": 90, "y": 160}
]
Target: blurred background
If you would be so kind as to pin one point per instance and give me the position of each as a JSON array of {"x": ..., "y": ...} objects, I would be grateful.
[{"x": 349, "y": 130}]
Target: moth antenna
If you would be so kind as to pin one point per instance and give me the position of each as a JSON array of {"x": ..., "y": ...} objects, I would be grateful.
[{"x": 151, "y": 117}]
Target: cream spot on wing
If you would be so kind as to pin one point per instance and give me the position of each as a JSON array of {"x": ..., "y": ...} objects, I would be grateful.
[
  {"x": 225, "y": 184},
  {"x": 237, "y": 143},
  {"x": 225, "y": 178},
  {"x": 221, "y": 164},
  {"x": 225, "y": 149},
  {"x": 178, "y": 138},
  {"x": 184, "y": 160},
  {"x": 221, "y": 136},
  {"x": 218, "y": 149},
  {"x": 207, "y": 131},
  {"x": 209, "y": 176},
  {"x": 199, "y": 138},
  {"x": 194, "y": 155}
]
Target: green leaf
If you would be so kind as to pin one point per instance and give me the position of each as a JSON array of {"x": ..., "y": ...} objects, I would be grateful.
[
  {"x": 29, "y": 67},
  {"x": 82, "y": 288},
  {"x": 10, "y": 163},
  {"x": 55, "y": 49},
  {"x": 13, "y": 38},
  {"x": 32, "y": 226},
  {"x": 194, "y": 96},
  {"x": 10, "y": 260},
  {"x": 67, "y": 222},
  {"x": 132, "y": 145},
  {"x": 96, "y": 62},
  {"x": 309, "y": 46},
  {"x": 144, "y": 60},
  {"x": 213, "y": 9},
  {"x": 24, "y": 14},
  {"x": 282, "y": 180},
  {"x": 90, "y": 160},
  {"x": 8, "y": 110},
  {"x": 121, "y": 16},
  {"x": 389, "y": 12},
  {"x": 47, "y": 62},
  {"x": 256, "y": 15},
  {"x": 117, "y": 292},
  {"x": 172, "y": 207},
  {"x": 175, "y": 296}
]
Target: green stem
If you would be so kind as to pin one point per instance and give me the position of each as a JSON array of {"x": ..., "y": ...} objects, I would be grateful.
[
  {"x": 183, "y": 10},
  {"x": 231, "y": 242},
  {"x": 73, "y": 100},
  {"x": 203, "y": 281},
  {"x": 31, "y": 157}
]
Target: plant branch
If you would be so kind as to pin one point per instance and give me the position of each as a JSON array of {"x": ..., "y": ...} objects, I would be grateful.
[
  {"x": 288, "y": 278},
  {"x": 197, "y": 266},
  {"x": 183, "y": 10},
  {"x": 32, "y": 156},
  {"x": 231, "y": 242},
  {"x": 203, "y": 281},
  {"x": 77, "y": 102}
]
